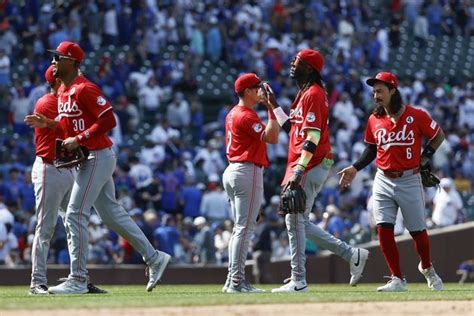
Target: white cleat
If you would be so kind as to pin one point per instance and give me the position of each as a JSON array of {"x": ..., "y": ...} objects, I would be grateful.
[
  {"x": 395, "y": 284},
  {"x": 155, "y": 270},
  {"x": 292, "y": 287},
  {"x": 357, "y": 263},
  {"x": 70, "y": 286},
  {"x": 434, "y": 281}
]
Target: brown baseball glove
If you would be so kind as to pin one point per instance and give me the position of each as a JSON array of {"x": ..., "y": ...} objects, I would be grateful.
[
  {"x": 428, "y": 178},
  {"x": 69, "y": 159}
]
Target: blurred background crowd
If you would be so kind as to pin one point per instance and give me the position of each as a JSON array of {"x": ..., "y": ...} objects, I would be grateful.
[{"x": 168, "y": 67}]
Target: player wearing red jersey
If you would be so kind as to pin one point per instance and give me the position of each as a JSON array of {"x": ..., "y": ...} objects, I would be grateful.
[
  {"x": 394, "y": 136},
  {"x": 309, "y": 161},
  {"x": 246, "y": 138},
  {"x": 52, "y": 189},
  {"x": 85, "y": 117}
]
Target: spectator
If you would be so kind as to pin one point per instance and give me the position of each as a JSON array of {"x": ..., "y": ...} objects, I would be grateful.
[
  {"x": 447, "y": 204},
  {"x": 203, "y": 242},
  {"x": 215, "y": 204}
]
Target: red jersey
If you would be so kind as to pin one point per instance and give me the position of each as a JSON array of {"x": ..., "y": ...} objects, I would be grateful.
[
  {"x": 44, "y": 137},
  {"x": 399, "y": 144},
  {"x": 310, "y": 110},
  {"x": 79, "y": 106},
  {"x": 244, "y": 131}
]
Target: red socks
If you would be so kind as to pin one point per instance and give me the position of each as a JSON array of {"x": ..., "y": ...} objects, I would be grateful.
[
  {"x": 390, "y": 250},
  {"x": 422, "y": 245}
]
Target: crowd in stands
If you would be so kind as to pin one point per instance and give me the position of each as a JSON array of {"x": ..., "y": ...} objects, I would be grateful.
[{"x": 171, "y": 186}]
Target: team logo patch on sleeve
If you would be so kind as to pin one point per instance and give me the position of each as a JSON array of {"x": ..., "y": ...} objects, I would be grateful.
[
  {"x": 101, "y": 101},
  {"x": 311, "y": 117},
  {"x": 409, "y": 119},
  {"x": 257, "y": 127}
]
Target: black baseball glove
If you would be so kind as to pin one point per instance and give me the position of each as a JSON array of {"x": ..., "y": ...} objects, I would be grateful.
[
  {"x": 69, "y": 159},
  {"x": 292, "y": 200},
  {"x": 428, "y": 178}
]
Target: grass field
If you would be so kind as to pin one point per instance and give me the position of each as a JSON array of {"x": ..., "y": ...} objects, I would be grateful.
[{"x": 15, "y": 297}]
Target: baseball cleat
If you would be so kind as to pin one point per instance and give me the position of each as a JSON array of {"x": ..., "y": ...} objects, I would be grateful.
[
  {"x": 91, "y": 288},
  {"x": 155, "y": 270},
  {"x": 70, "y": 286},
  {"x": 39, "y": 290},
  {"x": 243, "y": 287},
  {"x": 434, "y": 281},
  {"x": 395, "y": 284},
  {"x": 292, "y": 287},
  {"x": 357, "y": 265}
]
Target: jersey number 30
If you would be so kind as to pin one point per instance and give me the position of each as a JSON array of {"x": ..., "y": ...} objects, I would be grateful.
[{"x": 79, "y": 125}]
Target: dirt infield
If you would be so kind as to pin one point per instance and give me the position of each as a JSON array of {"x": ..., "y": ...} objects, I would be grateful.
[{"x": 359, "y": 308}]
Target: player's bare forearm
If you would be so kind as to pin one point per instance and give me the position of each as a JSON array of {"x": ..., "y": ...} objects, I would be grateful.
[{"x": 271, "y": 132}]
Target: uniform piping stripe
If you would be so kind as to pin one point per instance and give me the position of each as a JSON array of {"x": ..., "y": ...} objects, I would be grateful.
[
  {"x": 40, "y": 223},
  {"x": 299, "y": 256},
  {"x": 252, "y": 199},
  {"x": 81, "y": 209}
]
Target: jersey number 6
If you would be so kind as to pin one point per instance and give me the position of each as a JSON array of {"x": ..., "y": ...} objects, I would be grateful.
[{"x": 409, "y": 153}]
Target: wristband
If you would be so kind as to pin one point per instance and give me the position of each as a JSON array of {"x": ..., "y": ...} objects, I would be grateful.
[
  {"x": 428, "y": 152},
  {"x": 280, "y": 115},
  {"x": 298, "y": 172}
]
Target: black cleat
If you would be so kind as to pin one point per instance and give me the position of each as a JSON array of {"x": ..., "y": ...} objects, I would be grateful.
[{"x": 94, "y": 289}]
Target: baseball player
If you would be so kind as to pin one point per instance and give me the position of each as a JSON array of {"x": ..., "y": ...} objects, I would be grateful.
[
  {"x": 86, "y": 116},
  {"x": 394, "y": 136},
  {"x": 246, "y": 138},
  {"x": 52, "y": 190},
  {"x": 309, "y": 161}
]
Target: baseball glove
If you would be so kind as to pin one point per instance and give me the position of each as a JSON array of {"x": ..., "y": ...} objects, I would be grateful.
[
  {"x": 292, "y": 200},
  {"x": 428, "y": 178},
  {"x": 69, "y": 159}
]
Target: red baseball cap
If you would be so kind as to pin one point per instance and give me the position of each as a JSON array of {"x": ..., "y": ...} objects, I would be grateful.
[
  {"x": 48, "y": 75},
  {"x": 71, "y": 50},
  {"x": 385, "y": 77},
  {"x": 313, "y": 58},
  {"x": 246, "y": 81}
]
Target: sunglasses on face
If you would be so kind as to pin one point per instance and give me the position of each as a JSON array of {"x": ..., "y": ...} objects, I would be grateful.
[{"x": 57, "y": 57}]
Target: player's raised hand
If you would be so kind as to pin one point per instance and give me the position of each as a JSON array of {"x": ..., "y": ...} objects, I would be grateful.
[
  {"x": 36, "y": 120},
  {"x": 347, "y": 175},
  {"x": 269, "y": 98}
]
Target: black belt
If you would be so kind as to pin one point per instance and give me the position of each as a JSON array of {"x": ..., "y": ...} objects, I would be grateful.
[{"x": 399, "y": 174}]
